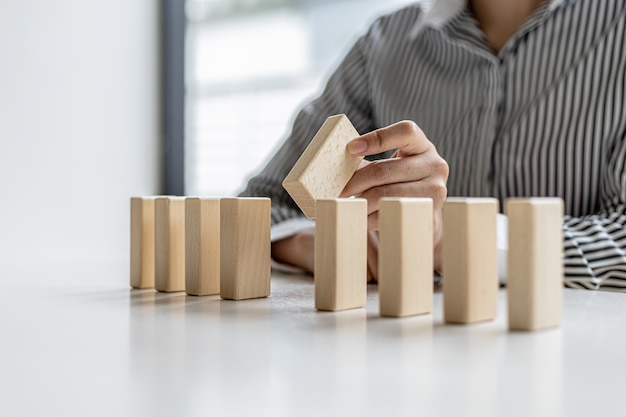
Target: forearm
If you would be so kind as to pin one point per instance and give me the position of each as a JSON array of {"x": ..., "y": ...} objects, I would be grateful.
[{"x": 296, "y": 250}]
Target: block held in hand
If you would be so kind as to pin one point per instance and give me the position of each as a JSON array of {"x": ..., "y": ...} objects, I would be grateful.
[{"x": 325, "y": 167}]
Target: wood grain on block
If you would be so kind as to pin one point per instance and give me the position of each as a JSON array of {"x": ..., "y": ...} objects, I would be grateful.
[
  {"x": 535, "y": 263},
  {"x": 170, "y": 243},
  {"x": 142, "y": 242},
  {"x": 405, "y": 264},
  {"x": 245, "y": 248},
  {"x": 470, "y": 264},
  {"x": 202, "y": 246},
  {"x": 325, "y": 167},
  {"x": 341, "y": 254}
]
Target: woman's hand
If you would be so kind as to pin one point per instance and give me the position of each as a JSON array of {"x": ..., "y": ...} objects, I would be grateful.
[{"x": 414, "y": 170}]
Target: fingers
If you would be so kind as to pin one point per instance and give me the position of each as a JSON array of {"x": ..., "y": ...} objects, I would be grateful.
[
  {"x": 395, "y": 170},
  {"x": 405, "y": 136},
  {"x": 426, "y": 189},
  {"x": 435, "y": 191}
]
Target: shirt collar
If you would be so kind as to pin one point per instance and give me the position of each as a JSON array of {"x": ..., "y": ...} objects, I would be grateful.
[{"x": 441, "y": 12}]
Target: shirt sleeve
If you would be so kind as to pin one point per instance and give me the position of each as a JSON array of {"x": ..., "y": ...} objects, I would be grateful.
[{"x": 595, "y": 245}]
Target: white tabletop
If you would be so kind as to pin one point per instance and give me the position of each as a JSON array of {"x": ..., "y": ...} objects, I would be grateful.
[{"x": 75, "y": 341}]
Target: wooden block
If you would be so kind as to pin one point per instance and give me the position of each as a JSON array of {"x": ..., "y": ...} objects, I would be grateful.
[
  {"x": 470, "y": 260},
  {"x": 142, "y": 242},
  {"x": 341, "y": 254},
  {"x": 202, "y": 246},
  {"x": 535, "y": 263},
  {"x": 245, "y": 250},
  {"x": 405, "y": 263},
  {"x": 325, "y": 167},
  {"x": 170, "y": 243}
]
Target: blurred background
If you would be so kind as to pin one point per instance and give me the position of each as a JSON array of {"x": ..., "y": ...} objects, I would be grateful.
[
  {"x": 100, "y": 99},
  {"x": 251, "y": 65}
]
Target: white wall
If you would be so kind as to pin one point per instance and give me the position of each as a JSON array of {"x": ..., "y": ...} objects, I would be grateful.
[{"x": 79, "y": 129}]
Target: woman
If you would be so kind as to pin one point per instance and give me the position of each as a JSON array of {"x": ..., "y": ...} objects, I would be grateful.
[{"x": 495, "y": 98}]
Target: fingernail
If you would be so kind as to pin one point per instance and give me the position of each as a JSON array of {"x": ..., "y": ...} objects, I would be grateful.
[{"x": 357, "y": 146}]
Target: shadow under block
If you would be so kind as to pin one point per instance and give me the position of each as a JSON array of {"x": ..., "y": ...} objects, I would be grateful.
[
  {"x": 535, "y": 263},
  {"x": 405, "y": 263},
  {"x": 142, "y": 242},
  {"x": 341, "y": 254},
  {"x": 170, "y": 243},
  {"x": 470, "y": 260},
  {"x": 325, "y": 167},
  {"x": 202, "y": 246},
  {"x": 245, "y": 250}
]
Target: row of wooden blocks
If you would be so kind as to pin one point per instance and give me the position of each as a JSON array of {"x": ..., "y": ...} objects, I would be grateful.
[
  {"x": 469, "y": 258},
  {"x": 222, "y": 246},
  {"x": 203, "y": 246}
]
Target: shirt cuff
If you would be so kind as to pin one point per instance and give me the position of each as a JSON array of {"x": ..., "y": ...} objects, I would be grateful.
[{"x": 290, "y": 227}]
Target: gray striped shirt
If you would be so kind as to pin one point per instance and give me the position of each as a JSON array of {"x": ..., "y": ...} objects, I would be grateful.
[{"x": 546, "y": 116}]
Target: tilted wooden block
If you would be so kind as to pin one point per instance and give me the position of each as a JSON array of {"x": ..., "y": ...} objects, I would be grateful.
[
  {"x": 470, "y": 260},
  {"x": 535, "y": 263},
  {"x": 245, "y": 250},
  {"x": 142, "y": 242},
  {"x": 170, "y": 243},
  {"x": 405, "y": 263},
  {"x": 202, "y": 246},
  {"x": 325, "y": 167},
  {"x": 341, "y": 254}
]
